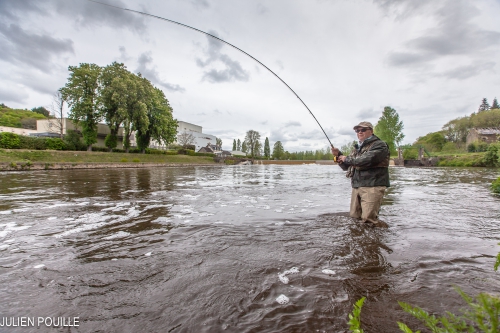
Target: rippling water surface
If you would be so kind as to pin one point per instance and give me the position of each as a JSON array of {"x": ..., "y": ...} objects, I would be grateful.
[{"x": 240, "y": 249}]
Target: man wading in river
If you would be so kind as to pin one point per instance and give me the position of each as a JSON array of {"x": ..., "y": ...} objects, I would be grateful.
[{"x": 368, "y": 168}]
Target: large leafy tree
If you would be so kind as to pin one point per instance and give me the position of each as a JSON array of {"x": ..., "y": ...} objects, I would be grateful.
[
  {"x": 81, "y": 94},
  {"x": 116, "y": 92},
  {"x": 267, "y": 149},
  {"x": 234, "y": 144},
  {"x": 456, "y": 130},
  {"x": 218, "y": 143},
  {"x": 161, "y": 126},
  {"x": 252, "y": 140},
  {"x": 278, "y": 150},
  {"x": 244, "y": 148},
  {"x": 389, "y": 128},
  {"x": 238, "y": 145}
]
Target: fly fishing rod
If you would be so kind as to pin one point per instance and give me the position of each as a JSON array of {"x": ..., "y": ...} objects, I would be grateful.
[{"x": 223, "y": 41}]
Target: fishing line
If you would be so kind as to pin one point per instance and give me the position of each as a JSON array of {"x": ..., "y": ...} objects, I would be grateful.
[{"x": 223, "y": 41}]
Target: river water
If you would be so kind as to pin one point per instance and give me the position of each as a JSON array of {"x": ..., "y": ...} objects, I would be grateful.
[{"x": 263, "y": 248}]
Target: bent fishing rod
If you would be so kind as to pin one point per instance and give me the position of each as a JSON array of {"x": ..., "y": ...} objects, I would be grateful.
[{"x": 223, "y": 41}]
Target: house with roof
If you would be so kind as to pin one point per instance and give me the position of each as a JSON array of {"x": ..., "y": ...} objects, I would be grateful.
[
  {"x": 487, "y": 135},
  {"x": 213, "y": 149}
]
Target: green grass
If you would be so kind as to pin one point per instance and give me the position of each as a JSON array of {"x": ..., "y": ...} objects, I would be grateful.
[
  {"x": 52, "y": 156},
  {"x": 461, "y": 160}
]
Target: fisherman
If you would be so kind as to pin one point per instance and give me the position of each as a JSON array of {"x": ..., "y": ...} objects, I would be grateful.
[{"x": 368, "y": 168}]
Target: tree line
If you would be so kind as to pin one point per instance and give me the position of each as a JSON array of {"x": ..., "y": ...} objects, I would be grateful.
[
  {"x": 389, "y": 128},
  {"x": 121, "y": 99}
]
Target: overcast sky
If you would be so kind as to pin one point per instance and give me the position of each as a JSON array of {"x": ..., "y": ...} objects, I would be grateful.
[{"x": 432, "y": 61}]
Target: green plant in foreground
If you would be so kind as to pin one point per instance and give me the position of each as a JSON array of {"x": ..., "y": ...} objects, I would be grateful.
[
  {"x": 483, "y": 314},
  {"x": 355, "y": 317}
]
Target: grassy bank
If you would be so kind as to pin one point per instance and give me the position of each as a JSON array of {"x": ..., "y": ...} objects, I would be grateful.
[
  {"x": 462, "y": 160},
  {"x": 20, "y": 156}
]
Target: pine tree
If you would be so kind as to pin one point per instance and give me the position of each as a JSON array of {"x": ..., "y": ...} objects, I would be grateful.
[
  {"x": 234, "y": 144},
  {"x": 267, "y": 149},
  {"x": 495, "y": 105},
  {"x": 238, "y": 145},
  {"x": 484, "y": 105}
]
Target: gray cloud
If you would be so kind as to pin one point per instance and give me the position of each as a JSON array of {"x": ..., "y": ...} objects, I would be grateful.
[
  {"x": 261, "y": 9},
  {"x": 15, "y": 95},
  {"x": 123, "y": 54},
  {"x": 454, "y": 34},
  {"x": 465, "y": 72},
  {"x": 151, "y": 73},
  {"x": 346, "y": 131},
  {"x": 201, "y": 4},
  {"x": 11, "y": 9},
  {"x": 83, "y": 13},
  {"x": 367, "y": 114},
  {"x": 89, "y": 14},
  {"x": 293, "y": 123},
  {"x": 21, "y": 46},
  {"x": 232, "y": 69}
]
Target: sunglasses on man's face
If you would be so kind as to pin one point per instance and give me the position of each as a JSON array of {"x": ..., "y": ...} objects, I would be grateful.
[{"x": 361, "y": 130}]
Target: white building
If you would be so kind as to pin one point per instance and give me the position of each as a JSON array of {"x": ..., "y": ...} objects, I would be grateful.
[{"x": 201, "y": 139}]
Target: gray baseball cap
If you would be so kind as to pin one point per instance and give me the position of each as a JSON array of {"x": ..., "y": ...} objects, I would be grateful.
[{"x": 365, "y": 124}]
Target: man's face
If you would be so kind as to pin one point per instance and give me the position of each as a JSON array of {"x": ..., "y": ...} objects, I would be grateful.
[{"x": 363, "y": 133}]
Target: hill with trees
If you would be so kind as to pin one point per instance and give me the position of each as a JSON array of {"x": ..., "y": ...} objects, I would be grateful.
[{"x": 21, "y": 118}]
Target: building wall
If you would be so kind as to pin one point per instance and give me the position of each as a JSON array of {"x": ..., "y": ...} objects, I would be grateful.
[
  {"x": 18, "y": 131},
  {"x": 476, "y": 136},
  {"x": 183, "y": 126},
  {"x": 51, "y": 125}
]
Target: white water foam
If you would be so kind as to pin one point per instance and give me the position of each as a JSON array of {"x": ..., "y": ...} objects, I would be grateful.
[
  {"x": 39, "y": 266},
  {"x": 283, "y": 276},
  {"x": 119, "y": 234},
  {"x": 328, "y": 271},
  {"x": 282, "y": 299}
]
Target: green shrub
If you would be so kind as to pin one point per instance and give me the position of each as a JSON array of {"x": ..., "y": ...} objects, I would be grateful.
[
  {"x": 32, "y": 142},
  {"x": 190, "y": 152},
  {"x": 491, "y": 158},
  {"x": 55, "y": 144},
  {"x": 171, "y": 152},
  {"x": 100, "y": 149},
  {"x": 9, "y": 140},
  {"x": 74, "y": 141},
  {"x": 410, "y": 154},
  {"x": 481, "y": 146},
  {"x": 495, "y": 187},
  {"x": 111, "y": 141},
  {"x": 118, "y": 150},
  {"x": 471, "y": 147},
  {"x": 123, "y": 160},
  {"x": 136, "y": 160},
  {"x": 450, "y": 147},
  {"x": 134, "y": 151},
  {"x": 154, "y": 151}
]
